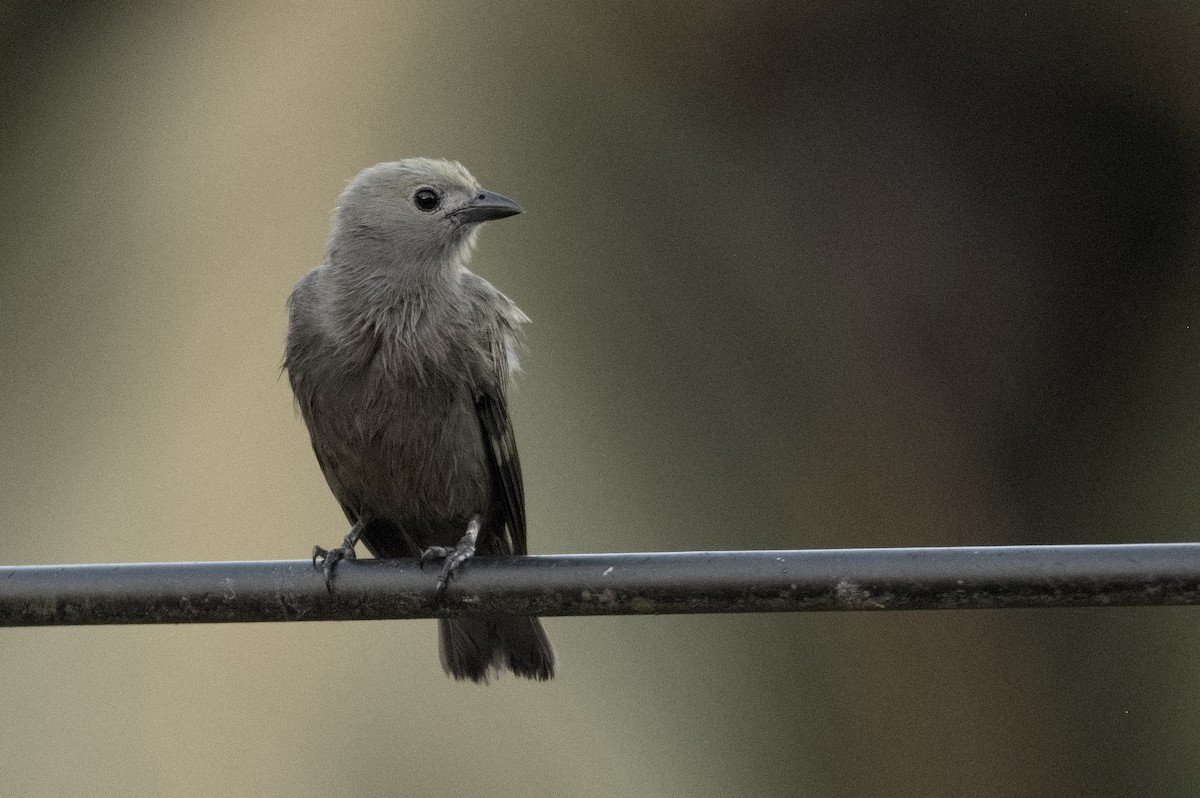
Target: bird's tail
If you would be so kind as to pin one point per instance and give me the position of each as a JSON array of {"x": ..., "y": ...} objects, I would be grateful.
[{"x": 479, "y": 648}]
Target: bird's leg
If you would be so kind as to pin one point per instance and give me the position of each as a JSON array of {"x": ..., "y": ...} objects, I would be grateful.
[
  {"x": 455, "y": 557},
  {"x": 329, "y": 558}
]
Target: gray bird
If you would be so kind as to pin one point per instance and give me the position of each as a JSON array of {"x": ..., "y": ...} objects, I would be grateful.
[{"x": 400, "y": 359}]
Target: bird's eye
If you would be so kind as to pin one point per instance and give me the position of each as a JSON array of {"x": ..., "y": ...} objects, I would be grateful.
[{"x": 426, "y": 199}]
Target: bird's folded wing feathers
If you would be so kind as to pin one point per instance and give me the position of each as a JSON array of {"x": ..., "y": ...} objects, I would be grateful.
[{"x": 491, "y": 406}]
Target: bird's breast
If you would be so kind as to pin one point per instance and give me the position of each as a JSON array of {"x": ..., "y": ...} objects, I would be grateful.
[{"x": 403, "y": 446}]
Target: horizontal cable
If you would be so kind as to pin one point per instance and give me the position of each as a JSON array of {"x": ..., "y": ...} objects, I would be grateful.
[{"x": 993, "y": 577}]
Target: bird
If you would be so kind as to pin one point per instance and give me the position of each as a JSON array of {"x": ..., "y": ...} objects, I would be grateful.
[{"x": 400, "y": 360}]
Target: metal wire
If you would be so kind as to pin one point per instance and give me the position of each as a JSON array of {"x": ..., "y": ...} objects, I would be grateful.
[{"x": 607, "y": 584}]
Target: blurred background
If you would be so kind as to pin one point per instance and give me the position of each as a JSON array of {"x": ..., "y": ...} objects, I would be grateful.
[{"x": 816, "y": 274}]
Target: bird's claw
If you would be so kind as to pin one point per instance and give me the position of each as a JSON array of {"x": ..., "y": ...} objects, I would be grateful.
[
  {"x": 331, "y": 557},
  {"x": 433, "y": 553},
  {"x": 454, "y": 558}
]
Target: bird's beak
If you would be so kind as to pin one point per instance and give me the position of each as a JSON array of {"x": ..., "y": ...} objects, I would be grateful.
[{"x": 487, "y": 205}]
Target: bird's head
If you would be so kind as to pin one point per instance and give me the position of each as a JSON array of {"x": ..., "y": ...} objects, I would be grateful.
[{"x": 416, "y": 213}]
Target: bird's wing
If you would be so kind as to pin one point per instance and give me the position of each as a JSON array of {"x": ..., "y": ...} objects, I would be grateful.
[
  {"x": 491, "y": 406},
  {"x": 329, "y": 468}
]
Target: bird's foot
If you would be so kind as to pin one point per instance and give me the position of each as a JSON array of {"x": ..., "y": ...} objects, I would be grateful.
[
  {"x": 455, "y": 557},
  {"x": 331, "y": 557}
]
